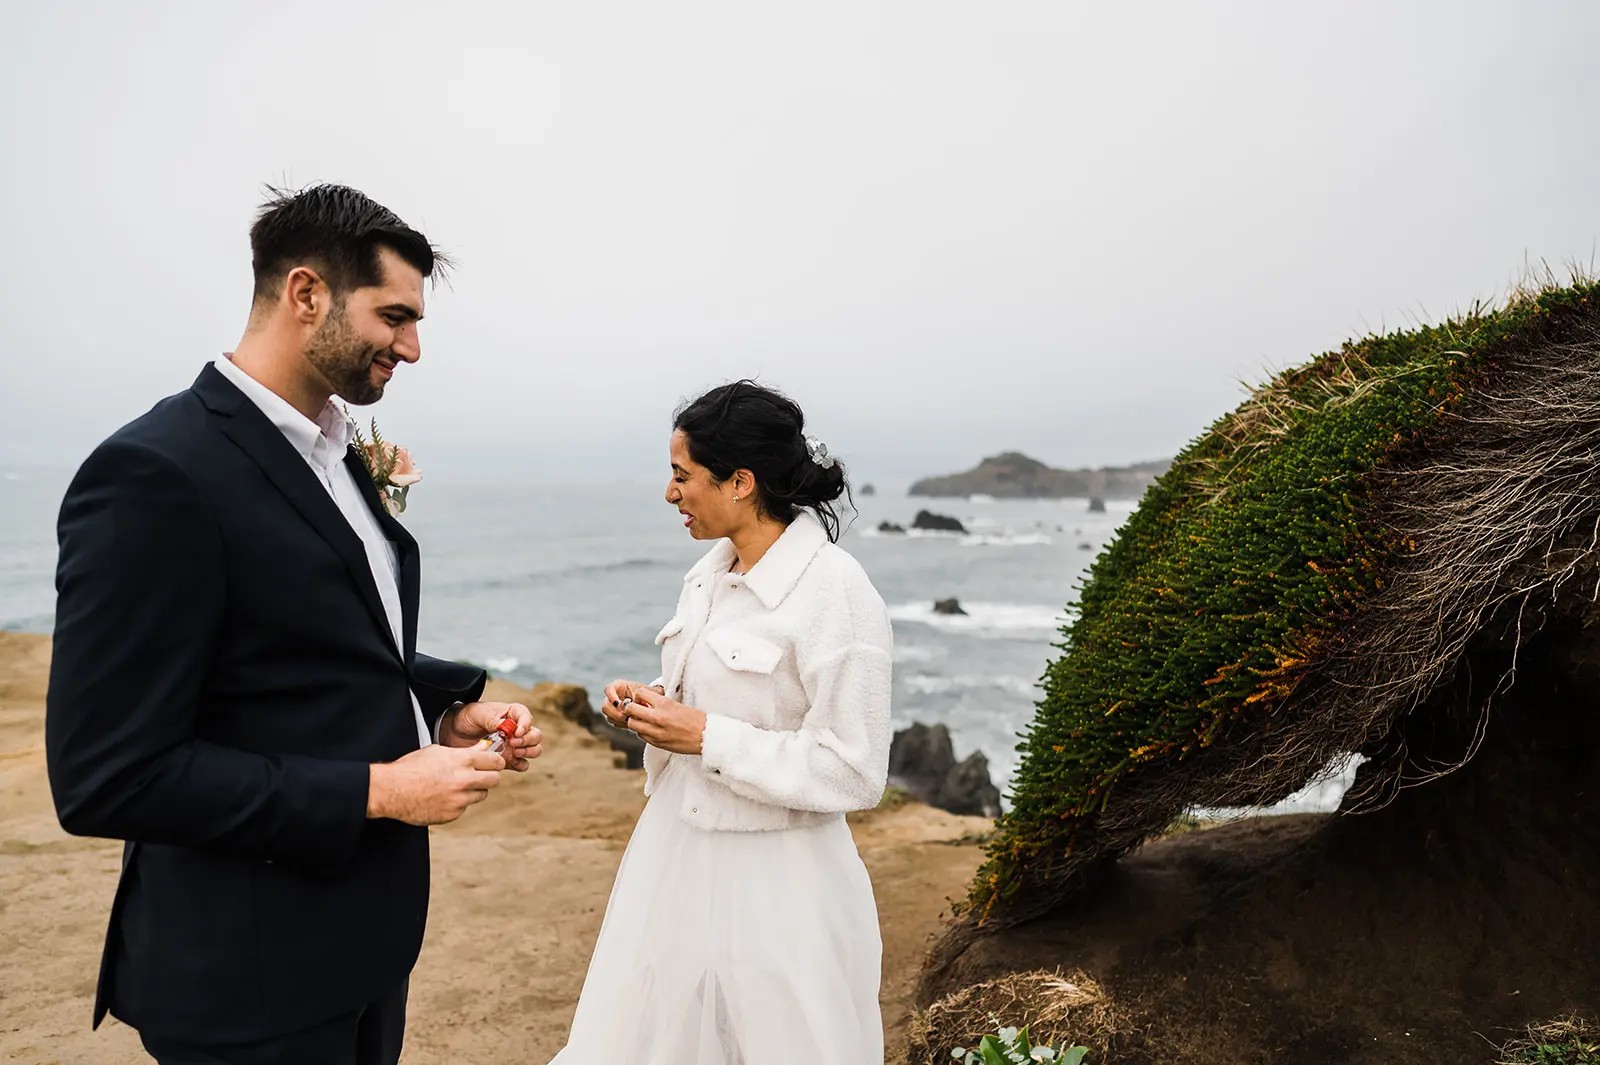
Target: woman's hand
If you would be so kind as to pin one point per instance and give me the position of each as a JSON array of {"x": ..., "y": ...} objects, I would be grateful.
[
  {"x": 474, "y": 721},
  {"x": 620, "y": 694},
  {"x": 665, "y": 723}
]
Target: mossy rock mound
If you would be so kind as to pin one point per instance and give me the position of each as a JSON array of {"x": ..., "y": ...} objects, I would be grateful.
[{"x": 1306, "y": 581}]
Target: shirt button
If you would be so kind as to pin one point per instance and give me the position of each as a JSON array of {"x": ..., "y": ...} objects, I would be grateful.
[{"x": 694, "y": 809}]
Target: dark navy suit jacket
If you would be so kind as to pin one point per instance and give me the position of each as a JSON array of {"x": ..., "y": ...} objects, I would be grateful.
[{"x": 223, "y": 675}]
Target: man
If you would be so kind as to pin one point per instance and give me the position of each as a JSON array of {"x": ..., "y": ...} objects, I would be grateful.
[{"x": 235, "y": 689}]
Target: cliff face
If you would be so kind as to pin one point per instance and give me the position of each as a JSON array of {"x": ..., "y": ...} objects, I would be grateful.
[{"x": 1013, "y": 475}]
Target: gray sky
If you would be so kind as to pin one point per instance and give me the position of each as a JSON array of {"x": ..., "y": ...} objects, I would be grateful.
[{"x": 946, "y": 228}]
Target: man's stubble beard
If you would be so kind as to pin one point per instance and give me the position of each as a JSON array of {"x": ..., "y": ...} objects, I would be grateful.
[{"x": 344, "y": 359}]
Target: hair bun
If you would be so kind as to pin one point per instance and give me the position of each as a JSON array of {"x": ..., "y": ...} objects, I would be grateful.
[{"x": 746, "y": 426}]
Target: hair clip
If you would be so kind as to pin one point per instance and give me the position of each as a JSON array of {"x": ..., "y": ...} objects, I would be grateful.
[{"x": 819, "y": 453}]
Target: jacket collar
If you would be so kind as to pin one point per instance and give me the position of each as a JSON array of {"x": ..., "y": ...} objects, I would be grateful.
[
  {"x": 779, "y": 570},
  {"x": 284, "y": 466}
]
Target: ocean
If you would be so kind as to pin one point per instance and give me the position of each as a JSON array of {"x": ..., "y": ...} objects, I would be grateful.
[{"x": 570, "y": 583}]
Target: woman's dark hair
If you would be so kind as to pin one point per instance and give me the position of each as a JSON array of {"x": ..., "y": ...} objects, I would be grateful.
[
  {"x": 745, "y": 426},
  {"x": 336, "y": 229}
]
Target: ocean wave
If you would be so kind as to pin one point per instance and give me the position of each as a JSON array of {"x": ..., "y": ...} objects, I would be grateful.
[
  {"x": 501, "y": 582},
  {"x": 501, "y": 666},
  {"x": 1002, "y": 537},
  {"x": 983, "y": 619},
  {"x": 1006, "y": 540},
  {"x": 874, "y": 532},
  {"x": 914, "y": 652},
  {"x": 933, "y": 684}
]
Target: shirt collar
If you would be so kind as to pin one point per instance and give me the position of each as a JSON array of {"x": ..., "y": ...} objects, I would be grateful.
[
  {"x": 774, "y": 577},
  {"x": 322, "y": 442}
]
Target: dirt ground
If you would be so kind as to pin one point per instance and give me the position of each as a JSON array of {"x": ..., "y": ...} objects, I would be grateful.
[{"x": 544, "y": 847}]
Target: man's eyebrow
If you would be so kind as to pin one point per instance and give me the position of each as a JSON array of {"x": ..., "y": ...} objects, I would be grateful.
[{"x": 402, "y": 309}]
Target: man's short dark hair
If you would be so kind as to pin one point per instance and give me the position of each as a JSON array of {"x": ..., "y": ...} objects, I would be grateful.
[{"x": 337, "y": 231}]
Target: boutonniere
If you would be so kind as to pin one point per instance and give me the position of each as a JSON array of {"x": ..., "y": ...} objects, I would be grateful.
[{"x": 389, "y": 465}]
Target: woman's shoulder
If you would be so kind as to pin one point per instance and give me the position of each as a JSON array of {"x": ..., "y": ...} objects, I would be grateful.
[{"x": 841, "y": 581}]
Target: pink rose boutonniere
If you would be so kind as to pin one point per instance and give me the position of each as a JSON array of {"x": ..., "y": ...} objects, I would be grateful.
[{"x": 389, "y": 465}]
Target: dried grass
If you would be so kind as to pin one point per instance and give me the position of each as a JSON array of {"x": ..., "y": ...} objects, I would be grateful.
[{"x": 1054, "y": 1006}]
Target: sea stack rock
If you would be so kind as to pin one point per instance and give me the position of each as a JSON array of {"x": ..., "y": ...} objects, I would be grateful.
[
  {"x": 949, "y": 606},
  {"x": 927, "y": 519},
  {"x": 1097, "y": 505},
  {"x": 922, "y": 760}
]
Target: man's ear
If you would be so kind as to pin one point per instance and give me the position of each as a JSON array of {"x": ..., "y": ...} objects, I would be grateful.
[{"x": 305, "y": 294}]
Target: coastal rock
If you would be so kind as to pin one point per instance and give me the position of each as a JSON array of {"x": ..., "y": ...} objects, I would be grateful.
[
  {"x": 891, "y": 528},
  {"x": 922, "y": 760},
  {"x": 625, "y": 743},
  {"x": 967, "y": 789},
  {"x": 868, "y": 490},
  {"x": 1013, "y": 475},
  {"x": 921, "y": 754},
  {"x": 927, "y": 519},
  {"x": 570, "y": 701},
  {"x": 948, "y": 606},
  {"x": 1097, "y": 505}
]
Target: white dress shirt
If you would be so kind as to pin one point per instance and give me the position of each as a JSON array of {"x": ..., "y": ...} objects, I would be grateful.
[{"x": 323, "y": 444}]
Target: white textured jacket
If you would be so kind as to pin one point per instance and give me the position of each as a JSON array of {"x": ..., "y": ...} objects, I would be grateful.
[{"x": 795, "y": 686}]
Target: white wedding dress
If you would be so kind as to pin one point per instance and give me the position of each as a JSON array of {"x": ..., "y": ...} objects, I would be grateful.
[{"x": 732, "y": 948}]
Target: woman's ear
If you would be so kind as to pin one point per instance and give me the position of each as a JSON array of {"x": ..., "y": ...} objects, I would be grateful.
[{"x": 744, "y": 484}]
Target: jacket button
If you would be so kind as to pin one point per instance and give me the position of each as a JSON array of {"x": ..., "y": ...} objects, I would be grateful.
[{"x": 694, "y": 809}]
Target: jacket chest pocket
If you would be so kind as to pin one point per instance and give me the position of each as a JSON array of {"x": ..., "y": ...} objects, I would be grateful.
[{"x": 747, "y": 664}]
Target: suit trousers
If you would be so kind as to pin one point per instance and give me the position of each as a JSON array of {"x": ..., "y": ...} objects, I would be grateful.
[{"x": 371, "y": 1035}]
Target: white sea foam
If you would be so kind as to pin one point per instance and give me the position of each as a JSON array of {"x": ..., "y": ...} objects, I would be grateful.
[
  {"x": 983, "y": 619},
  {"x": 1006, "y": 539},
  {"x": 1322, "y": 795},
  {"x": 1000, "y": 536},
  {"x": 501, "y": 666},
  {"x": 932, "y": 684}
]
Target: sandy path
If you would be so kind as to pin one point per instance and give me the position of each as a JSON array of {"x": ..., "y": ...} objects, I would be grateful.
[{"x": 542, "y": 851}]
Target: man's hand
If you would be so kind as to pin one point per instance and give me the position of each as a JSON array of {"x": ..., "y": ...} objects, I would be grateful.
[
  {"x": 431, "y": 786},
  {"x": 470, "y": 723},
  {"x": 665, "y": 723}
]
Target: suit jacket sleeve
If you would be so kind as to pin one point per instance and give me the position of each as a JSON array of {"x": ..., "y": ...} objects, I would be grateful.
[
  {"x": 140, "y": 605},
  {"x": 440, "y": 684}
]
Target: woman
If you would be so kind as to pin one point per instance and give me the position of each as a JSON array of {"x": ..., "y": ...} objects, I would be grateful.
[{"x": 741, "y": 928}]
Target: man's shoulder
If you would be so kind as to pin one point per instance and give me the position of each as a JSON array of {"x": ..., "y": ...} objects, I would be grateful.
[{"x": 178, "y": 428}]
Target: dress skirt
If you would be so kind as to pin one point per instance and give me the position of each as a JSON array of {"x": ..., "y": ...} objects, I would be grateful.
[{"x": 732, "y": 948}]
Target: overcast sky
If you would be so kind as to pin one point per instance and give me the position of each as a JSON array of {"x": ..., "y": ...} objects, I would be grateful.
[{"x": 946, "y": 228}]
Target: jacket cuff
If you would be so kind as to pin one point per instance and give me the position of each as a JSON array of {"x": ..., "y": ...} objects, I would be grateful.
[
  {"x": 333, "y": 801},
  {"x": 720, "y": 743}
]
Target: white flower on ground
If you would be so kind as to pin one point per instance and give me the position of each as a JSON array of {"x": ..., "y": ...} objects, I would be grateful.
[
  {"x": 1009, "y": 1035},
  {"x": 1043, "y": 1054}
]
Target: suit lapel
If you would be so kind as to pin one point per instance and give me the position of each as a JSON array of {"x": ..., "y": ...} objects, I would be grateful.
[
  {"x": 258, "y": 438},
  {"x": 405, "y": 549}
]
